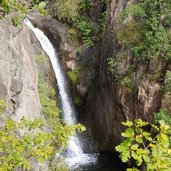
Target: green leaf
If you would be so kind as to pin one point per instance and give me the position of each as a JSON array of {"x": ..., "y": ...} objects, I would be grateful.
[
  {"x": 125, "y": 156},
  {"x": 127, "y": 123},
  {"x": 134, "y": 147},
  {"x": 147, "y": 136},
  {"x": 140, "y": 123},
  {"x": 146, "y": 158},
  {"x": 139, "y": 138},
  {"x": 42, "y": 5},
  {"x": 132, "y": 169},
  {"x": 137, "y": 157},
  {"x": 128, "y": 133}
]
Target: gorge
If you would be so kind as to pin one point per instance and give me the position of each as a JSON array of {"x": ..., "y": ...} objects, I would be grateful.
[
  {"x": 112, "y": 65},
  {"x": 75, "y": 155}
]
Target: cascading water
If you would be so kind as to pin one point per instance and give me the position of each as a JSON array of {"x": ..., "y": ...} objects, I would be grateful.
[{"x": 75, "y": 155}]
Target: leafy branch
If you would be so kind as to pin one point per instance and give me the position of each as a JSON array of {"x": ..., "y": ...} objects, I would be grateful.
[{"x": 150, "y": 148}]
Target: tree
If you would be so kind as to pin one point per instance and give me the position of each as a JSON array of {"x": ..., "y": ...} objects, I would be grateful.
[
  {"x": 26, "y": 139},
  {"x": 150, "y": 148},
  {"x": 152, "y": 20}
]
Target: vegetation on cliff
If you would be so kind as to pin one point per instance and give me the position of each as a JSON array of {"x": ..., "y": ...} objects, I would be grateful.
[
  {"x": 143, "y": 32},
  {"x": 144, "y": 29},
  {"x": 76, "y": 14},
  {"x": 151, "y": 149},
  {"x": 25, "y": 140},
  {"x": 20, "y": 9}
]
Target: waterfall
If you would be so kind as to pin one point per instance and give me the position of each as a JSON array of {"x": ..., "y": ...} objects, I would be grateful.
[{"x": 75, "y": 155}]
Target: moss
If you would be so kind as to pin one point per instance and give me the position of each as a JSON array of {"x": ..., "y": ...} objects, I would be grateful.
[
  {"x": 126, "y": 82},
  {"x": 49, "y": 106},
  {"x": 78, "y": 101},
  {"x": 3, "y": 105},
  {"x": 41, "y": 59},
  {"x": 73, "y": 75},
  {"x": 47, "y": 96},
  {"x": 129, "y": 33},
  {"x": 73, "y": 34}
]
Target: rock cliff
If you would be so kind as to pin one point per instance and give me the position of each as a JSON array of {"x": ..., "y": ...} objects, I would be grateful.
[
  {"x": 19, "y": 74},
  {"x": 107, "y": 101}
]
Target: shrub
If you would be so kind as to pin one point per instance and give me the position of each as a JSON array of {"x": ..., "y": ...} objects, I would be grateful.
[
  {"x": 154, "y": 35},
  {"x": 129, "y": 33},
  {"x": 21, "y": 9},
  {"x": 40, "y": 59},
  {"x": 149, "y": 148},
  {"x": 16, "y": 148},
  {"x": 162, "y": 115},
  {"x": 66, "y": 9},
  {"x": 3, "y": 106}
]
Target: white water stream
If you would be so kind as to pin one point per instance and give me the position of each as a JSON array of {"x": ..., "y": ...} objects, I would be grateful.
[{"x": 75, "y": 155}]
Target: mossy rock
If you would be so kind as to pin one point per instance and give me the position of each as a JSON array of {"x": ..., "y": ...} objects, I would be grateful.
[{"x": 73, "y": 76}]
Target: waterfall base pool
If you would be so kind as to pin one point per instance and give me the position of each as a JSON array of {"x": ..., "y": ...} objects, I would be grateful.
[{"x": 105, "y": 162}]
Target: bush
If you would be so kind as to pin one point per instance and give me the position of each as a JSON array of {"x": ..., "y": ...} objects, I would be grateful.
[
  {"x": 154, "y": 34},
  {"x": 162, "y": 115},
  {"x": 16, "y": 149},
  {"x": 149, "y": 148},
  {"x": 21, "y": 9},
  {"x": 66, "y": 9}
]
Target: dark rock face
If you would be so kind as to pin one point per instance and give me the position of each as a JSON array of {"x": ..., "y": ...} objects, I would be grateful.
[
  {"x": 107, "y": 103},
  {"x": 19, "y": 76},
  {"x": 19, "y": 49}
]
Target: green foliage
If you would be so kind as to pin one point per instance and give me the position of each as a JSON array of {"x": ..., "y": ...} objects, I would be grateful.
[
  {"x": 66, "y": 9},
  {"x": 162, "y": 115},
  {"x": 167, "y": 86},
  {"x": 35, "y": 141},
  {"x": 73, "y": 75},
  {"x": 126, "y": 82},
  {"x": 15, "y": 21},
  {"x": 73, "y": 35},
  {"x": 151, "y": 148},
  {"x": 49, "y": 105},
  {"x": 41, "y": 59},
  {"x": 124, "y": 77},
  {"x": 47, "y": 95},
  {"x": 154, "y": 33},
  {"x": 21, "y": 9},
  {"x": 3, "y": 106},
  {"x": 61, "y": 135},
  {"x": 86, "y": 29},
  {"x": 75, "y": 12},
  {"x": 112, "y": 62},
  {"x": 17, "y": 149},
  {"x": 129, "y": 33},
  {"x": 41, "y": 7}
]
